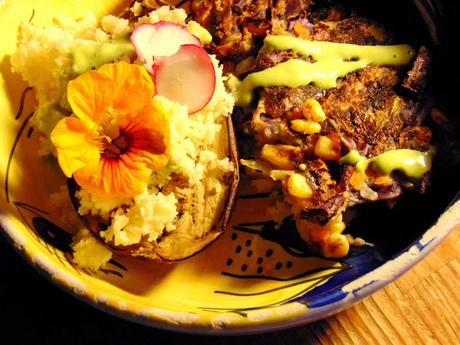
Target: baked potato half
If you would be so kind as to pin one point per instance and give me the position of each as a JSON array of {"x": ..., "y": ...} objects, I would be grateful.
[{"x": 204, "y": 210}]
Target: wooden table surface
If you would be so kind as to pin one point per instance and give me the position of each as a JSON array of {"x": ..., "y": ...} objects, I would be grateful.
[{"x": 422, "y": 307}]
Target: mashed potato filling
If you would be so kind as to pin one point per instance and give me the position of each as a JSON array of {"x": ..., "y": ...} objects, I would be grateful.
[
  {"x": 148, "y": 216},
  {"x": 89, "y": 252},
  {"x": 153, "y": 212}
]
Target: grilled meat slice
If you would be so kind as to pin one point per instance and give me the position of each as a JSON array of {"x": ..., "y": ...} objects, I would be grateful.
[
  {"x": 269, "y": 59},
  {"x": 281, "y": 101},
  {"x": 367, "y": 111},
  {"x": 238, "y": 27},
  {"x": 328, "y": 198},
  {"x": 233, "y": 24},
  {"x": 364, "y": 109},
  {"x": 417, "y": 78},
  {"x": 349, "y": 30}
]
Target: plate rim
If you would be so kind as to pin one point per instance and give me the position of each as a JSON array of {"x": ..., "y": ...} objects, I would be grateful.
[{"x": 369, "y": 283}]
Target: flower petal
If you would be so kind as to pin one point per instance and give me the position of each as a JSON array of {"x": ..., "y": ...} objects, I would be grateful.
[
  {"x": 132, "y": 86},
  {"x": 119, "y": 177},
  {"x": 89, "y": 96},
  {"x": 127, "y": 175},
  {"x": 113, "y": 90},
  {"x": 148, "y": 136},
  {"x": 75, "y": 144},
  {"x": 114, "y": 102}
]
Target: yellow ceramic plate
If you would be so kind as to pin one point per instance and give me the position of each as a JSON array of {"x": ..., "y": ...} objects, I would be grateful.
[{"x": 255, "y": 278}]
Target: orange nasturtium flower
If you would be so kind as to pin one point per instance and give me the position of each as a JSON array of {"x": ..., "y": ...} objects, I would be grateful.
[{"x": 116, "y": 134}]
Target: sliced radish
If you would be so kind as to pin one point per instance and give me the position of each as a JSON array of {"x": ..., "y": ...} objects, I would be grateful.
[
  {"x": 187, "y": 77},
  {"x": 160, "y": 39}
]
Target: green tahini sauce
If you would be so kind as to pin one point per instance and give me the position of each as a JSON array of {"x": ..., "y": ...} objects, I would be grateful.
[
  {"x": 330, "y": 61},
  {"x": 414, "y": 164},
  {"x": 95, "y": 54}
]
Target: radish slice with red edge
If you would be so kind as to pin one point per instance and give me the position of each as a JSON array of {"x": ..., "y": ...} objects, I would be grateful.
[
  {"x": 187, "y": 77},
  {"x": 160, "y": 39}
]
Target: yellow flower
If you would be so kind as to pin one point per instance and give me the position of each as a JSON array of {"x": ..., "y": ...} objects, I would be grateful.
[{"x": 117, "y": 135}]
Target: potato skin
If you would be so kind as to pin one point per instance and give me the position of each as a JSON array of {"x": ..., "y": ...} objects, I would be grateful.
[{"x": 151, "y": 251}]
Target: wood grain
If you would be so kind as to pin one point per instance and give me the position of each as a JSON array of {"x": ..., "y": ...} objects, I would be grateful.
[{"x": 421, "y": 307}]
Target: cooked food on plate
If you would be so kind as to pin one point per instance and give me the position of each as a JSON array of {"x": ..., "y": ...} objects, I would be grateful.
[{"x": 330, "y": 111}]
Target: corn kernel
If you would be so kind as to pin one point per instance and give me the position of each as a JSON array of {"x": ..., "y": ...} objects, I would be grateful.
[
  {"x": 298, "y": 187},
  {"x": 312, "y": 110},
  {"x": 302, "y": 166},
  {"x": 305, "y": 127},
  {"x": 279, "y": 155},
  {"x": 357, "y": 180},
  {"x": 383, "y": 181},
  {"x": 327, "y": 149},
  {"x": 332, "y": 243},
  {"x": 337, "y": 246},
  {"x": 337, "y": 227}
]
